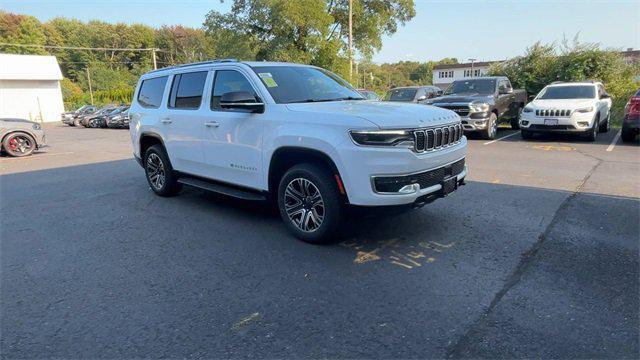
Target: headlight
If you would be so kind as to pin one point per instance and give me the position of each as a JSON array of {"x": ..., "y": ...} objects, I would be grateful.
[
  {"x": 36, "y": 127},
  {"x": 585, "y": 110},
  {"x": 527, "y": 109},
  {"x": 400, "y": 138},
  {"x": 479, "y": 107}
]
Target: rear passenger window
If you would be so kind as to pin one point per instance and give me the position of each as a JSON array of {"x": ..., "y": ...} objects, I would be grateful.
[
  {"x": 229, "y": 81},
  {"x": 186, "y": 90},
  {"x": 151, "y": 91}
]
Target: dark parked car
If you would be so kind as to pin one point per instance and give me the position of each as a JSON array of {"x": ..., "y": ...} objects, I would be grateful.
[
  {"x": 72, "y": 118},
  {"x": 631, "y": 122},
  {"x": 483, "y": 103},
  {"x": 414, "y": 94},
  {"x": 20, "y": 137},
  {"x": 369, "y": 95},
  {"x": 119, "y": 118},
  {"x": 93, "y": 120}
]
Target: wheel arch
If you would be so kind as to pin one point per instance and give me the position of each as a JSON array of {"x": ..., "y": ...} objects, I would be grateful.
[
  {"x": 286, "y": 157},
  {"x": 148, "y": 139}
]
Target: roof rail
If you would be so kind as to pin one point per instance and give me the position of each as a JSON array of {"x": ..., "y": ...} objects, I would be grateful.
[{"x": 215, "y": 61}]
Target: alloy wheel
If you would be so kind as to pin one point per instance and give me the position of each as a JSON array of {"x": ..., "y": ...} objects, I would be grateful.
[
  {"x": 304, "y": 204},
  {"x": 155, "y": 171},
  {"x": 20, "y": 144}
]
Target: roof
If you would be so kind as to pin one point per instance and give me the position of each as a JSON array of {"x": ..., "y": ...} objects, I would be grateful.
[
  {"x": 209, "y": 63},
  {"x": 29, "y": 67},
  {"x": 463, "y": 65},
  {"x": 575, "y": 83}
]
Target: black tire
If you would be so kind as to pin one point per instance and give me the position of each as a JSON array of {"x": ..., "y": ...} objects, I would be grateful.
[
  {"x": 628, "y": 135},
  {"x": 301, "y": 203},
  {"x": 515, "y": 122},
  {"x": 156, "y": 162},
  {"x": 19, "y": 144},
  {"x": 492, "y": 128},
  {"x": 604, "y": 126},
  {"x": 526, "y": 134},
  {"x": 93, "y": 124},
  {"x": 592, "y": 134}
]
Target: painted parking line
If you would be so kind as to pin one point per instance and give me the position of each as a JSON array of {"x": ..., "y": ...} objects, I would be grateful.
[
  {"x": 614, "y": 141},
  {"x": 498, "y": 139}
]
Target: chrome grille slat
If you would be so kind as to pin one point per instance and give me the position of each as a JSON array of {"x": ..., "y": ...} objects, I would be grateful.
[{"x": 437, "y": 138}]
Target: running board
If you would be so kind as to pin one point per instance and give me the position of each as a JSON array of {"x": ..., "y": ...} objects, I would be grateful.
[{"x": 222, "y": 189}]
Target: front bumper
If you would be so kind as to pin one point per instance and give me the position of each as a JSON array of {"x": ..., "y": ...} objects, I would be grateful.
[
  {"x": 366, "y": 164},
  {"x": 475, "y": 124},
  {"x": 575, "y": 124}
]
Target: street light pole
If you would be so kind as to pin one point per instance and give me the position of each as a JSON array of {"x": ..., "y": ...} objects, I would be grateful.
[
  {"x": 350, "y": 40},
  {"x": 472, "y": 61}
]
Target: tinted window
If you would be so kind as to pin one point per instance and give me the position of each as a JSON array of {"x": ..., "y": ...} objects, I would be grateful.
[
  {"x": 568, "y": 92},
  {"x": 151, "y": 92},
  {"x": 481, "y": 86},
  {"x": 186, "y": 90},
  {"x": 229, "y": 81},
  {"x": 291, "y": 84},
  {"x": 401, "y": 95}
]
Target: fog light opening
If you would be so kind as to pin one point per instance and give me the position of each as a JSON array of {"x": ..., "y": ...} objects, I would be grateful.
[
  {"x": 583, "y": 123},
  {"x": 409, "y": 189}
]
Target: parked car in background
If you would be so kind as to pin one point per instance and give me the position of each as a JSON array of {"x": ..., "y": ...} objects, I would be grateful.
[
  {"x": 73, "y": 118},
  {"x": 94, "y": 120},
  {"x": 297, "y": 134},
  {"x": 631, "y": 122},
  {"x": 20, "y": 137},
  {"x": 413, "y": 94},
  {"x": 119, "y": 119},
  {"x": 369, "y": 94},
  {"x": 100, "y": 120},
  {"x": 571, "y": 108},
  {"x": 483, "y": 103}
]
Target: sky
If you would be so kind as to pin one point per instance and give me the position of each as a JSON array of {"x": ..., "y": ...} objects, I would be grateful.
[{"x": 483, "y": 30}]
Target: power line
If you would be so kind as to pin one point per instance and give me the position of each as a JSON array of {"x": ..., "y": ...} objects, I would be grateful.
[{"x": 79, "y": 47}]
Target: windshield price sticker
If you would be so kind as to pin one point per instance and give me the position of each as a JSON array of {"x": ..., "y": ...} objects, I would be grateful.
[{"x": 268, "y": 79}]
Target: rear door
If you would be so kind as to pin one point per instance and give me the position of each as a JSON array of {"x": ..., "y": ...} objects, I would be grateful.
[
  {"x": 504, "y": 101},
  {"x": 182, "y": 122}
]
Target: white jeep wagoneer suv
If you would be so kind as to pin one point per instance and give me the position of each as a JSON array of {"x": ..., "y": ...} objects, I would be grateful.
[{"x": 297, "y": 134}]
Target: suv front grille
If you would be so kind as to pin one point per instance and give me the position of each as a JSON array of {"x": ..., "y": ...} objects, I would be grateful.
[
  {"x": 392, "y": 184},
  {"x": 553, "y": 112},
  {"x": 439, "y": 137}
]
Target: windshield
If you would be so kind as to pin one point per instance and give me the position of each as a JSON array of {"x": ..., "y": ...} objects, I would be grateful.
[
  {"x": 480, "y": 86},
  {"x": 292, "y": 84},
  {"x": 568, "y": 92},
  {"x": 369, "y": 95},
  {"x": 406, "y": 94}
]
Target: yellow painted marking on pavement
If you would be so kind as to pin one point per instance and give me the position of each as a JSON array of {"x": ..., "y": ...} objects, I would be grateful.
[
  {"x": 614, "y": 141},
  {"x": 441, "y": 245},
  {"x": 367, "y": 256},
  {"x": 552, "y": 148},
  {"x": 496, "y": 181},
  {"x": 245, "y": 321}
]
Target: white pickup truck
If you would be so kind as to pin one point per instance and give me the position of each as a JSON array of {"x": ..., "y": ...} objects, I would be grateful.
[{"x": 295, "y": 134}]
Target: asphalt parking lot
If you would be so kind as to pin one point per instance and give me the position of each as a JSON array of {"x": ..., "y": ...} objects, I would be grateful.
[{"x": 537, "y": 256}]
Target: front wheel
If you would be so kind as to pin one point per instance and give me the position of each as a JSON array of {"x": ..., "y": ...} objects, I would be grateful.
[
  {"x": 526, "y": 134},
  {"x": 515, "y": 122},
  {"x": 19, "y": 144},
  {"x": 592, "y": 134},
  {"x": 310, "y": 203},
  {"x": 492, "y": 127}
]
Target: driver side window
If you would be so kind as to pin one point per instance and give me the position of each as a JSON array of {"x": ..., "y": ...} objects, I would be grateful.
[{"x": 229, "y": 81}]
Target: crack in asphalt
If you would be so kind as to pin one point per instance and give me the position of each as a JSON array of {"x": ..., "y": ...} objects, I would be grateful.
[{"x": 458, "y": 348}]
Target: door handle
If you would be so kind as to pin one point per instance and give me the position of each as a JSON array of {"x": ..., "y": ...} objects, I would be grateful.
[
  {"x": 212, "y": 124},
  {"x": 165, "y": 120}
]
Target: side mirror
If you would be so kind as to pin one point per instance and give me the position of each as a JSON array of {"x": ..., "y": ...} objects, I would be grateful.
[
  {"x": 422, "y": 98},
  {"x": 605, "y": 96},
  {"x": 241, "y": 100}
]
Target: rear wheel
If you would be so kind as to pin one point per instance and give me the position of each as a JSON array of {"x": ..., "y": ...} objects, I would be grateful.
[
  {"x": 604, "y": 126},
  {"x": 310, "y": 203},
  {"x": 160, "y": 175},
  {"x": 19, "y": 144},
  {"x": 489, "y": 133}
]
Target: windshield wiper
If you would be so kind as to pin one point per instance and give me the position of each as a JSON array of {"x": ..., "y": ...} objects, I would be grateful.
[{"x": 310, "y": 100}]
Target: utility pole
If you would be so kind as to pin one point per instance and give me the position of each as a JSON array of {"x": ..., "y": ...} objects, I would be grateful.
[
  {"x": 472, "y": 61},
  {"x": 350, "y": 40},
  {"x": 89, "y": 80},
  {"x": 153, "y": 57}
]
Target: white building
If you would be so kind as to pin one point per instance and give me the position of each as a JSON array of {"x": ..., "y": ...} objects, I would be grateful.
[
  {"x": 443, "y": 75},
  {"x": 30, "y": 87}
]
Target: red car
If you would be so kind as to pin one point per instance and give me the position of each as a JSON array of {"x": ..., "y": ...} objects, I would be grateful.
[{"x": 631, "y": 122}]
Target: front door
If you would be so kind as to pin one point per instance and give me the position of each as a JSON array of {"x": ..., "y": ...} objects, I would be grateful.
[{"x": 233, "y": 138}]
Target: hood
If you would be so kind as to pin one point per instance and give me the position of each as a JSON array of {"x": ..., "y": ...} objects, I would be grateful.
[
  {"x": 570, "y": 104},
  {"x": 461, "y": 98},
  {"x": 14, "y": 120},
  {"x": 385, "y": 115}
]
